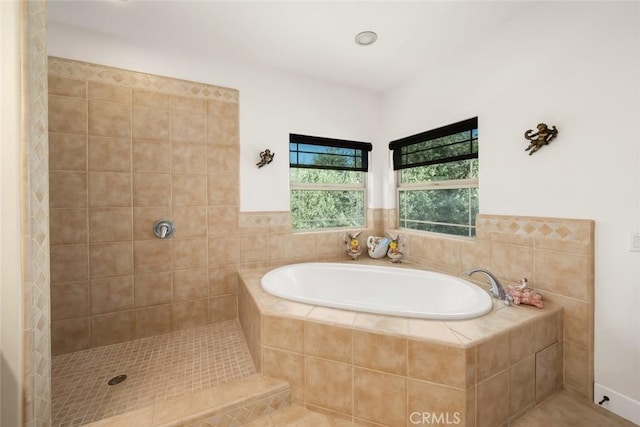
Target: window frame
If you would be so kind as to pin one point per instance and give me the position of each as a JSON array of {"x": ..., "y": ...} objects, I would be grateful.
[
  {"x": 451, "y": 184},
  {"x": 365, "y": 148}
]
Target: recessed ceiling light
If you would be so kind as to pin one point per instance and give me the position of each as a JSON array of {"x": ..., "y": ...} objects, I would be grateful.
[{"x": 366, "y": 38}]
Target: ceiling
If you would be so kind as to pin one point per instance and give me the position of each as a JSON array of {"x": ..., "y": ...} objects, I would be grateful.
[{"x": 313, "y": 39}]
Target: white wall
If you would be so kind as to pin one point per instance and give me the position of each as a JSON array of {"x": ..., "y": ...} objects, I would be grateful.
[
  {"x": 10, "y": 248},
  {"x": 576, "y": 66},
  {"x": 272, "y": 105}
]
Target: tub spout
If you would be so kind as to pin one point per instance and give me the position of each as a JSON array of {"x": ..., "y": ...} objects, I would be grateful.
[{"x": 496, "y": 288}]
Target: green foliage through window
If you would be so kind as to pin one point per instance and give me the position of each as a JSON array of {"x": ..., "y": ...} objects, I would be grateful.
[
  {"x": 327, "y": 183},
  {"x": 438, "y": 180}
]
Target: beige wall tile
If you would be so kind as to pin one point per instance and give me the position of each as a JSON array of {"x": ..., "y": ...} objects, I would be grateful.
[
  {"x": 223, "y": 160},
  {"x": 223, "y": 220},
  {"x": 109, "y": 154},
  {"x": 189, "y": 190},
  {"x": 70, "y": 335},
  {"x": 69, "y": 263},
  {"x": 381, "y": 352},
  {"x": 475, "y": 254},
  {"x": 576, "y": 371},
  {"x": 222, "y": 190},
  {"x": 424, "y": 397},
  {"x": 68, "y": 189},
  {"x": 112, "y": 294},
  {"x": 109, "y": 119},
  {"x": 328, "y": 342},
  {"x": 304, "y": 244},
  {"x": 110, "y": 224},
  {"x": 222, "y": 109},
  {"x": 576, "y": 321},
  {"x": 153, "y": 289},
  {"x": 151, "y": 189},
  {"x": 151, "y": 156},
  {"x": 152, "y": 256},
  {"x": 284, "y": 333},
  {"x": 110, "y": 260},
  {"x": 67, "y": 87},
  {"x": 286, "y": 366},
  {"x": 253, "y": 248},
  {"x": 152, "y": 321},
  {"x": 380, "y": 397},
  {"x": 144, "y": 220},
  {"x": 189, "y": 314},
  {"x": 223, "y": 308},
  {"x": 150, "y": 123},
  {"x": 189, "y": 284},
  {"x": 222, "y": 131},
  {"x": 549, "y": 371},
  {"x": 446, "y": 251},
  {"x": 492, "y": 409},
  {"x": 111, "y": 328},
  {"x": 67, "y": 152},
  {"x": 279, "y": 246},
  {"x": 151, "y": 99},
  {"x": 69, "y": 300},
  {"x": 512, "y": 239},
  {"x": 522, "y": 391},
  {"x": 326, "y": 245},
  {"x": 193, "y": 105},
  {"x": 522, "y": 342},
  {"x": 68, "y": 226},
  {"x": 546, "y": 331},
  {"x": 109, "y": 189},
  {"x": 189, "y": 253},
  {"x": 224, "y": 250},
  {"x": 189, "y": 158},
  {"x": 190, "y": 221},
  {"x": 441, "y": 363},
  {"x": 112, "y": 93},
  {"x": 511, "y": 262},
  {"x": 582, "y": 247},
  {"x": 329, "y": 385},
  {"x": 563, "y": 273},
  {"x": 188, "y": 127},
  {"x": 67, "y": 115},
  {"x": 493, "y": 356},
  {"x": 417, "y": 248},
  {"x": 223, "y": 280}
]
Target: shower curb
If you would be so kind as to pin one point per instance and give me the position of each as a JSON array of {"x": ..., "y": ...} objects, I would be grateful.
[{"x": 232, "y": 404}]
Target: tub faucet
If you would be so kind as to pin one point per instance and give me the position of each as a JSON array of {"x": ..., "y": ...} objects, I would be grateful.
[{"x": 496, "y": 290}]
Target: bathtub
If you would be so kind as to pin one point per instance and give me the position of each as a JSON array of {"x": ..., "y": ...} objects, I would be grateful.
[{"x": 377, "y": 289}]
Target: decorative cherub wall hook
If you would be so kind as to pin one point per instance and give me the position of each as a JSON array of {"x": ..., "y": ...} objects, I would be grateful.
[
  {"x": 542, "y": 137},
  {"x": 266, "y": 157}
]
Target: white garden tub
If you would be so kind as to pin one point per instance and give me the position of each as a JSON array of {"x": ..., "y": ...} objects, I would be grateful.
[{"x": 376, "y": 289}]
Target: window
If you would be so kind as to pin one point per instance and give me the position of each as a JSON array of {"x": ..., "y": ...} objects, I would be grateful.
[
  {"x": 327, "y": 182},
  {"x": 438, "y": 179}
]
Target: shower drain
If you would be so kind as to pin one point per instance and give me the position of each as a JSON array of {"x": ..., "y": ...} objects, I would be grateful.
[{"x": 117, "y": 379}]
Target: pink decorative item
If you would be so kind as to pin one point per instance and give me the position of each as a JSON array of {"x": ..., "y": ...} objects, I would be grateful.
[{"x": 522, "y": 294}]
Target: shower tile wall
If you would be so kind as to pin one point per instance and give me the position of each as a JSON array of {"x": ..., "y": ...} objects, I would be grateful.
[{"x": 128, "y": 149}]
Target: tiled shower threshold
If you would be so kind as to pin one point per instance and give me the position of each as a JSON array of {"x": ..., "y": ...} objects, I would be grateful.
[{"x": 157, "y": 368}]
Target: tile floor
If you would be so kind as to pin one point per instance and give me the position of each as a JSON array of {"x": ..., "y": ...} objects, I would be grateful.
[
  {"x": 565, "y": 409},
  {"x": 157, "y": 368}
]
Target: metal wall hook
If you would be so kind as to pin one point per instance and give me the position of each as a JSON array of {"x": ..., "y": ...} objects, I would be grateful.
[{"x": 164, "y": 229}]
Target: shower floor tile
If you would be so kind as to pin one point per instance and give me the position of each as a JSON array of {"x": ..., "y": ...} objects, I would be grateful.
[{"x": 157, "y": 368}]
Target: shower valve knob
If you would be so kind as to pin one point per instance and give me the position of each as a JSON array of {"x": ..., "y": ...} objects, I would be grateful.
[{"x": 164, "y": 229}]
